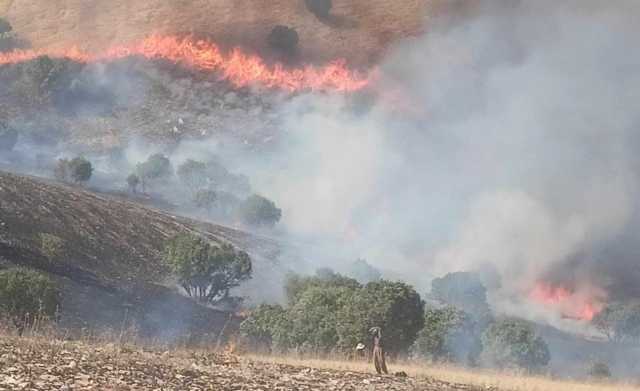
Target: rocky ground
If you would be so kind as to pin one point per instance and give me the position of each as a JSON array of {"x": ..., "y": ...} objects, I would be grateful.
[{"x": 29, "y": 364}]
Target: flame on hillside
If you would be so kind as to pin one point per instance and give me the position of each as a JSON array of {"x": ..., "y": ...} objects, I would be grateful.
[
  {"x": 237, "y": 67},
  {"x": 580, "y": 305}
]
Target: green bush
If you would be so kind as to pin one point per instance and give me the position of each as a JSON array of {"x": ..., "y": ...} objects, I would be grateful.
[
  {"x": 133, "y": 181},
  {"x": 394, "y": 306},
  {"x": 295, "y": 285},
  {"x": 319, "y": 8},
  {"x": 599, "y": 370},
  {"x": 52, "y": 246},
  {"x": 193, "y": 175},
  {"x": 267, "y": 328},
  {"x": 80, "y": 170},
  {"x": 205, "y": 199},
  {"x": 259, "y": 211},
  {"x": 27, "y": 295},
  {"x": 8, "y": 137},
  {"x": 512, "y": 343},
  {"x": 157, "y": 167},
  {"x": 283, "y": 39},
  {"x": 463, "y": 290},
  {"x": 448, "y": 335},
  {"x": 206, "y": 272}
]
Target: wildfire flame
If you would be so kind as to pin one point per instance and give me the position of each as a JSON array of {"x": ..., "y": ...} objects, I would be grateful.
[
  {"x": 237, "y": 67},
  {"x": 571, "y": 304}
]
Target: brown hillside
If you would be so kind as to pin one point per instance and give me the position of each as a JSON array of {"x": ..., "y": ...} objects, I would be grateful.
[
  {"x": 358, "y": 30},
  {"x": 111, "y": 262}
]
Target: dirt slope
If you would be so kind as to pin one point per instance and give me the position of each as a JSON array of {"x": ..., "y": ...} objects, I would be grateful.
[
  {"x": 366, "y": 25},
  {"x": 111, "y": 257},
  {"x": 34, "y": 365}
]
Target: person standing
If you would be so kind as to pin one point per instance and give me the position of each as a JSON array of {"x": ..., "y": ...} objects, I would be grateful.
[{"x": 379, "y": 360}]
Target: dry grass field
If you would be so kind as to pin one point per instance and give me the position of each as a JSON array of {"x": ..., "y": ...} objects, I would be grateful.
[{"x": 456, "y": 376}]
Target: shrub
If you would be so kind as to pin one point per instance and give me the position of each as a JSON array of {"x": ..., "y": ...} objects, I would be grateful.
[
  {"x": 295, "y": 285},
  {"x": 205, "y": 271},
  {"x": 448, "y": 335},
  {"x": 8, "y": 137},
  {"x": 27, "y": 295},
  {"x": 7, "y": 36},
  {"x": 512, "y": 343},
  {"x": 394, "y": 306},
  {"x": 463, "y": 290},
  {"x": 259, "y": 211},
  {"x": 319, "y": 8},
  {"x": 362, "y": 271},
  {"x": 80, "y": 170},
  {"x": 62, "y": 171},
  {"x": 205, "y": 199},
  {"x": 267, "y": 327},
  {"x": 133, "y": 181},
  {"x": 51, "y": 246},
  {"x": 619, "y": 321},
  {"x": 193, "y": 175},
  {"x": 157, "y": 167},
  {"x": 283, "y": 39},
  {"x": 599, "y": 370}
]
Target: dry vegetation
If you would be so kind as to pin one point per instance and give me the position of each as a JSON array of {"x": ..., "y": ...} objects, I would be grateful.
[{"x": 485, "y": 380}]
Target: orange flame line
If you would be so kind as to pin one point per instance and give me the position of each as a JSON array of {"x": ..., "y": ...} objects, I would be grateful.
[{"x": 237, "y": 67}]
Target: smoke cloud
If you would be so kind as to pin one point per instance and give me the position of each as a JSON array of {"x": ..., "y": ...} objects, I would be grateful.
[{"x": 503, "y": 138}]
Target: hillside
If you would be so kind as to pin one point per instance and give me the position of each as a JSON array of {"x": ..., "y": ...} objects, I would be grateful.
[
  {"x": 373, "y": 24},
  {"x": 111, "y": 257}
]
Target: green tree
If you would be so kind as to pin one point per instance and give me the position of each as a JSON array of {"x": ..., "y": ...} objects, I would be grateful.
[
  {"x": 62, "y": 171},
  {"x": 193, "y": 175},
  {"x": 206, "y": 199},
  {"x": 52, "y": 246},
  {"x": 513, "y": 343},
  {"x": 394, "y": 306},
  {"x": 619, "y": 321},
  {"x": 259, "y": 211},
  {"x": 448, "y": 335},
  {"x": 8, "y": 137},
  {"x": 267, "y": 327},
  {"x": 133, "y": 181},
  {"x": 295, "y": 285},
  {"x": 207, "y": 272},
  {"x": 463, "y": 290},
  {"x": 80, "y": 170},
  {"x": 283, "y": 39},
  {"x": 362, "y": 271},
  {"x": 157, "y": 167},
  {"x": 7, "y": 35},
  {"x": 27, "y": 295},
  {"x": 319, "y": 8}
]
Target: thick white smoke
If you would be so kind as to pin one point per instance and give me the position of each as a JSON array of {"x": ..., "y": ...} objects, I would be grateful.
[{"x": 507, "y": 137}]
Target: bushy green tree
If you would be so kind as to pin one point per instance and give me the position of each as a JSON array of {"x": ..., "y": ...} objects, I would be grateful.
[
  {"x": 7, "y": 35},
  {"x": 394, "y": 306},
  {"x": 513, "y": 343},
  {"x": 26, "y": 295},
  {"x": 133, "y": 181},
  {"x": 52, "y": 246},
  {"x": 206, "y": 271},
  {"x": 463, "y": 290},
  {"x": 295, "y": 285},
  {"x": 283, "y": 39},
  {"x": 362, "y": 271},
  {"x": 193, "y": 175},
  {"x": 599, "y": 370},
  {"x": 259, "y": 211},
  {"x": 8, "y": 137},
  {"x": 267, "y": 327},
  {"x": 319, "y": 8},
  {"x": 157, "y": 167},
  {"x": 619, "y": 321},
  {"x": 80, "y": 170},
  {"x": 61, "y": 171},
  {"x": 448, "y": 335},
  {"x": 205, "y": 199}
]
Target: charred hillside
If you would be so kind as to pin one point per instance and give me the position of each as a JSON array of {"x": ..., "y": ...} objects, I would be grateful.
[{"x": 108, "y": 257}]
